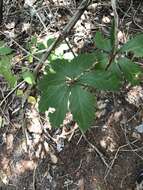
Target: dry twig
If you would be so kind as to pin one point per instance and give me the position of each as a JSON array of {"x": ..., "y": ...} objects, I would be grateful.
[{"x": 97, "y": 151}]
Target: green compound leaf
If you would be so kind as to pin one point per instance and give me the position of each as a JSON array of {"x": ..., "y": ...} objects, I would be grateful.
[
  {"x": 51, "y": 79},
  {"x": 5, "y": 70},
  {"x": 82, "y": 106},
  {"x": 102, "y": 43},
  {"x": 55, "y": 90},
  {"x": 55, "y": 75},
  {"x": 116, "y": 70},
  {"x": 101, "y": 80},
  {"x": 75, "y": 67},
  {"x": 131, "y": 71},
  {"x": 134, "y": 45},
  {"x": 101, "y": 59},
  {"x": 55, "y": 97},
  {"x": 63, "y": 85},
  {"x": 79, "y": 64}
]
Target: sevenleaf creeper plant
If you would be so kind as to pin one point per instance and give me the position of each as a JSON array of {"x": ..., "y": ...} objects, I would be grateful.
[{"x": 67, "y": 87}]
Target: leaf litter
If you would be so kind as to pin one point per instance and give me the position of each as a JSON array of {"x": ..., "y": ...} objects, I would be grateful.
[{"x": 61, "y": 158}]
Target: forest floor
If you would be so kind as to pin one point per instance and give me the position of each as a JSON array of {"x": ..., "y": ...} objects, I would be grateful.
[{"x": 34, "y": 156}]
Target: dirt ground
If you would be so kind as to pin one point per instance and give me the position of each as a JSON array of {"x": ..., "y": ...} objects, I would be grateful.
[{"x": 34, "y": 156}]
